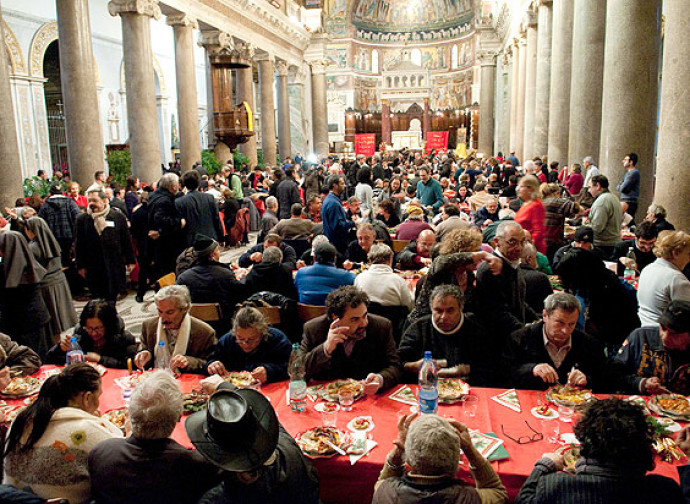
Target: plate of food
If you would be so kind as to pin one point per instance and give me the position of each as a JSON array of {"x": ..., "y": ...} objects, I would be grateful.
[
  {"x": 327, "y": 407},
  {"x": 639, "y": 401},
  {"x": 565, "y": 395},
  {"x": 361, "y": 424},
  {"x": 242, "y": 379},
  {"x": 131, "y": 381},
  {"x": 571, "y": 453},
  {"x": 673, "y": 406},
  {"x": 117, "y": 417},
  {"x": 22, "y": 386},
  {"x": 194, "y": 401},
  {"x": 319, "y": 441},
  {"x": 10, "y": 413},
  {"x": 330, "y": 391},
  {"x": 544, "y": 412},
  {"x": 452, "y": 390}
]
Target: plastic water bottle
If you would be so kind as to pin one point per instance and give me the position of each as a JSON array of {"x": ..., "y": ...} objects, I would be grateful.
[
  {"x": 428, "y": 386},
  {"x": 162, "y": 356},
  {"x": 298, "y": 384},
  {"x": 629, "y": 273},
  {"x": 75, "y": 353}
]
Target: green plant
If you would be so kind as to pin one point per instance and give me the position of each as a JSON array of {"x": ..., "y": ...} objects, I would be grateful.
[
  {"x": 239, "y": 159},
  {"x": 36, "y": 184},
  {"x": 260, "y": 158},
  {"x": 119, "y": 165},
  {"x": 210, "y": 162}
]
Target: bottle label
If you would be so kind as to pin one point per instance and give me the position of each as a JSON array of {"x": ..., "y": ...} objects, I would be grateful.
[{"x": 428, "y": 401}]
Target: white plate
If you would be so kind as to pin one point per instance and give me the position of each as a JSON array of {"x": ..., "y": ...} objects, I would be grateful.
[
  {"x": 319, "y": 407},
  {"x": 553, "y": 414},
  {"x": 351, "y": 424},
  {"x": 670, "y": 425}
]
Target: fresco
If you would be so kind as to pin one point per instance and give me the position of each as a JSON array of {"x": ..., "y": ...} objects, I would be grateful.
[
  {"x": 401, "y": 15},
  {"x": 338, "y": 57}
]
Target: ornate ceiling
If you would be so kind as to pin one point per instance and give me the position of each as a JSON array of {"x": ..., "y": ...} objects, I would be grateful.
[{"x": 396, "y": 16}]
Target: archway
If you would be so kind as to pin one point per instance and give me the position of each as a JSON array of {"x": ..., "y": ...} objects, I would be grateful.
[{"x": 54, "y": 107}]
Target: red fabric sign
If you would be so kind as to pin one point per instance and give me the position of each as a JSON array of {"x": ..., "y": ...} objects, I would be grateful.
[
  {"x": 365, "y": 144},
  {"x": 436, "y": 140}
]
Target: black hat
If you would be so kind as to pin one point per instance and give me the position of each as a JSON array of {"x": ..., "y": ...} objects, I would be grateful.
[
  {"x": 55, "y": 188},
  {"x": 676, "y": 317},
  {"x": 203, "y": 245},
  {"x": 238, "y": 431},
  {"x": 584, "y": 234}
]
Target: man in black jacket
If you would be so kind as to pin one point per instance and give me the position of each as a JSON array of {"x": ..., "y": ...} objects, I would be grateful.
[
  {"x": 255, "y": 254},
  {"x": 287, "y": 193},
  {"x": 165, "y": 225},
  {"x": 199, "y": 210}
]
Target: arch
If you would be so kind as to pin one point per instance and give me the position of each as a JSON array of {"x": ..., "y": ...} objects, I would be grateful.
[
  {"x": 157, "y": 70},
  {"x": 416, "y": 56},
  {"x": 14, "y": 50}
]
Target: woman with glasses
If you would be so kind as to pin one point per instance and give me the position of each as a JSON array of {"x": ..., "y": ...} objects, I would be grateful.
[
  {"x": 252, "y": 346},
  {"x": 102, "y": 336}
]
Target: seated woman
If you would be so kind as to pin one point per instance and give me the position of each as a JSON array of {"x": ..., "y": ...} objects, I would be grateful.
[
  {"x": 387, "y": 213},
  {"x": 49, "y": 442},
  {"x": 252, "y": 346},
  {"x": 102, "y": 336},
  {"x": 430, "y": 447}
]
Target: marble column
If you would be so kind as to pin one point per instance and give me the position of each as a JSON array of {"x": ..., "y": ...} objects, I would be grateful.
[
  {"x": 245, "y": 93},
  {"x": 426, "y": 119},
  {"x": 504, "y": 98},
  {"x": 268, "y": 124},
  {"x": 514, "y": 89},
  {"x": 185, "y": 75},
  {"x": 141, "y": 90},
  {"x": 11, "y": 173},
  {"x": 543, "y": 73},
  {"x": 630, "y": 91},
  {"x": 284, "y": 137},
  {"x": 587, "y": 73},
  {"x": 530, "y": 86},
  {"x": 83, "y": 127},
  {"x": 487, "y": 104},
  {"x": 386, "y": 122},
  {"x": 520, "y": 112},
  {"x": 673, "y": 181},
  {"x": 559, "y": 94},
  {"x": 319, "y": 107}
]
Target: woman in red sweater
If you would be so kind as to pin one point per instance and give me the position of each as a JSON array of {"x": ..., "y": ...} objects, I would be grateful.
[{"x": 532, "y": 213}]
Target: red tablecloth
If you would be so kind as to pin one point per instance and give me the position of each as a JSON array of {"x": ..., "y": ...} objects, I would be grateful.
[{"x": 341, "y": 482}]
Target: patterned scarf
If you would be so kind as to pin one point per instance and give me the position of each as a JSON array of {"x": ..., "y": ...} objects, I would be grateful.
[{"x": 99, "y": 218}]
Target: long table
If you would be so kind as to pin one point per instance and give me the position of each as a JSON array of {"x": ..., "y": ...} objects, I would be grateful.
[{"x": 342, "y": 482}]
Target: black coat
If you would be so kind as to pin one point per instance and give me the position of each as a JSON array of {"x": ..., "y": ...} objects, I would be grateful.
[
  {"x": 214, "y": 282},
  {"x": 201, "y": 213},
  {"x": 163, "y": 217},
  {"x": 289, "y": 256},
  {"x": 104, "y": 256},
  {"x": 287, "y": 194},
  {"x": 272, "y": 277},
  {"x": 538, "y": 287}
]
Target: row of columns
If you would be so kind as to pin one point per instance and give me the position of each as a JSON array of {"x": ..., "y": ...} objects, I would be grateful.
[{"x": 581, "y": 86}]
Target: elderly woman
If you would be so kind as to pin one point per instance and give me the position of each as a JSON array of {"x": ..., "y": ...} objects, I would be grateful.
[
  {"x": 663, "y": 281},
  {"x": 149, "y": 467},
  {"x": 102, "y": 336},
  {"x": 23, "y": 312},
  {"x": 615, "y": 455},
  {"x": 575, "y": 181},
  {"x": 49, "y": 441},
  {"x": 252, "y": 346},
  {"x": 422, "y": 465},
  {"x": 532, "y": 214},
  {"x": 189, "y": 340},
  {"x": 54, "y": 287}
]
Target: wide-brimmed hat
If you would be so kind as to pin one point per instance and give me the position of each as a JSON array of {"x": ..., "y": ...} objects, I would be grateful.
[
  {"x": 238, "y": 431},
  {"x": 204, "y": 245}
]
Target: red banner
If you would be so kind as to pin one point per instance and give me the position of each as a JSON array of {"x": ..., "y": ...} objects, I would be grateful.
[
  {"x": 365, "y": 144},
  {"x": 436, "y": 140}
]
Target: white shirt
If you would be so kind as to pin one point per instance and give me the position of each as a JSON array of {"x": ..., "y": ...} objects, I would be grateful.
[
  {"x": 660, "y": 283},
  {"x": 384, "y": 287}
]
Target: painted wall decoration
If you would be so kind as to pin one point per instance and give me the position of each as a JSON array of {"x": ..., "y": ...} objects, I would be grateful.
[
  {"x": 451, "y": 94},
  {"x": 338, "y": 82},
  {"x": 401, "y": 15},
  {"x": 336, "y": 22},
  {"x": 363, "y": 59},
  {"x": 338, "y": 57}
]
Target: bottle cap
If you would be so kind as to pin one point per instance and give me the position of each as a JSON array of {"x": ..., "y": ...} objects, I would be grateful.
[
  {"x": 73, "y": 339},
  {"x": 427, "y": 354},
  {"x": 161, "y": 343}
]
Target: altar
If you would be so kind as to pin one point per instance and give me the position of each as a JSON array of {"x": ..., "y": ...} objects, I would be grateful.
[{"x": 410, "y": 139}]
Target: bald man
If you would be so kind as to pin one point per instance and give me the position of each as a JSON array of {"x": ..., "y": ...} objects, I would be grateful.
[{"x": 417, "y": 253}]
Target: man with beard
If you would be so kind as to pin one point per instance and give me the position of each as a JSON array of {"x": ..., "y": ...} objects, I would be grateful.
[
  {"x": 347, "y": 342},
  {"x": 335, "y": 222}
]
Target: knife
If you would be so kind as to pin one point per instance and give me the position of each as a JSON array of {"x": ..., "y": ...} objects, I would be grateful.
[{"x": 335, "y": 447}]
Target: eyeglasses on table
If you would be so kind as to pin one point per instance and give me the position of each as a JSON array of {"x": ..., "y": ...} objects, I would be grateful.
[{"x": 537, "y": 436}]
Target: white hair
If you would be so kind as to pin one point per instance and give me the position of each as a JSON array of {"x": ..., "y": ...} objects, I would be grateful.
[
  {"x": 180, "y": 293},
  {"x": 271, "y": 202},
  {"x": 155, "y": 406}
]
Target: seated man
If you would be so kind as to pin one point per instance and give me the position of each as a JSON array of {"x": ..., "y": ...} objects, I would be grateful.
[
  {"x": 488, "y": 213},
  {"x": 354, "y": 211},
  {"x": 190, "y": 341},
  {"x": 380, "y": 283},
  {"x": 615, "y": 455},
  {"x": 456, "y": 340},
  {"x": 16, "y": 359},
  {"x": 315, "y": 282},
  {"x": 537, "y": 284},
  {"x": 307, "y": 258},
  {"x": 347, "y": 342},
  {"x": 271, "y": 275},
  {"x": 149, "y": 467},
  {"x": 552, "y": 351},
  {"x": 410, "y": 229},
  {"x": 451, "y": 220},
  {"x": 645, "y": 238},
  {"x": 295, "y": 227},
  {"x": 584, "y": 239},
  {"x": 269, "y": 219},
  {"x": 656, "y": 359},
  {"x": 417, "y": 253},
  {"x": 254, "y": 254},
  {"x": 358, "y": 249}
]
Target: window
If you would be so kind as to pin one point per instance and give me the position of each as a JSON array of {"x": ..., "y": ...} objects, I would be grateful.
[
  {"x": 454, "y": 57},
  {"x": 375, "y": 61},
  {"x": 416, "y": 57}
]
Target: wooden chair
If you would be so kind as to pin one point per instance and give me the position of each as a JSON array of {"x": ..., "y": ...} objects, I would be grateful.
[
  {"x": 308, "y": 312},
  {"x": 208, "y": 312},
  {"x": 271, "y": 314},
  {"x": 399, "y": 245},
  {"x": 166, "y": 280}
]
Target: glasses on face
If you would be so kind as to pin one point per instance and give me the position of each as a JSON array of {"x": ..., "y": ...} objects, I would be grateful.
[
  {"x": 94, "y": 329},
  {"x": 247, "y": 341},
  {"x": 513, "y": 242},
  {"x": 536, "y": 436}
]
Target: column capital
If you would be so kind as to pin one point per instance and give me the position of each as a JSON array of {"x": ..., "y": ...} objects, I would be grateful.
[
  {"x": 487, "y": 58},
  {"x": 265, "y": 57},
  {"x": 318, "y": 66},
  {"x": 143, "y": 7},
  {"x": 182, "y": 19},
  {"x": 216, "y": 41},
  {"x": 245, "y": 51},
  {"x": 530, "y": 20},
  {"x": 282, "y": 68},
  {"x": 545, "y": 3}
]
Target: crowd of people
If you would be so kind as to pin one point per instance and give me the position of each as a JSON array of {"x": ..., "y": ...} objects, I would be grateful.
[{"x": 501, "y": 298}]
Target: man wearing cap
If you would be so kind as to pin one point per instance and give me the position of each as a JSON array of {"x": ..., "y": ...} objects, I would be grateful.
[
  {"x": 211, "y": 281},
  {"x": 658, "y": 358},
  {"x": 60, "y": 213},
  {"x": 410, "y": 229},
  {"x": 584, "y": 239},
  {"x": 261, "y": 463}
]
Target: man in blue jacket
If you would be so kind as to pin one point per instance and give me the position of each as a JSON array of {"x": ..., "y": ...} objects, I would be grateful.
[
  {"x": 335, "y": 223},
  {"x": 315, "y": 282}
]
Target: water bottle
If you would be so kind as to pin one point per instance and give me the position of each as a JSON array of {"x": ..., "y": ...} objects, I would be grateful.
[
  {"x": 629, "y": 272},
  {"x": 162, "y": 356},
  {"x": 428, "y": 386},
  {"x": 75, "y": 353},
  {"x": 298, "y": 384}
]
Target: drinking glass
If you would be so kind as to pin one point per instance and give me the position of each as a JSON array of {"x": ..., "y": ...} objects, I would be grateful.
[
  {"x": 565, "y": 413},
  {"x": 469, "y": 405},
  {"x": 346, "y": 399},
  {"x": 550, "y": 429},
  {"x": 329, "y": 418}
]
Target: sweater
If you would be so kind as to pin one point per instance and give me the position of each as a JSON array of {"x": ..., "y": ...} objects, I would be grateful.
[
  {"x": 605, "y": 217},
  {"x": 531, "y": 217},
  {"x": 384, "y": 287},
  {"x": 430, "y": 194},
  {"x": 335, "y": 223},
  {"x": 660, "y": 283}
]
